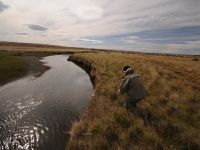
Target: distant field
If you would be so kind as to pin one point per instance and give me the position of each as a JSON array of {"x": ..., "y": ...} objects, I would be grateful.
[
  {"x": 12, "y": 46},
  {"x": 169, "y": 118}
]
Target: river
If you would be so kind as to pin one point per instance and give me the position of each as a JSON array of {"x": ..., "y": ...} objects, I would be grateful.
[{"x": 38, "y": 112}]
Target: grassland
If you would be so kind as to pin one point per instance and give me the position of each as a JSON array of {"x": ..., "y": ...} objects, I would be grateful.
[
  {"x": 16, "y": 64},
  {"x": 168, "y": 118},
  {"x": 18, "y": 59},
  {"x": 29, "y": 47},
  {"x": 11, "y": 67}
]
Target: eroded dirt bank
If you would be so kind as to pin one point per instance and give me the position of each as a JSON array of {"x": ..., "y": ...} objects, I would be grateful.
[{"x": 87, "y": 66}]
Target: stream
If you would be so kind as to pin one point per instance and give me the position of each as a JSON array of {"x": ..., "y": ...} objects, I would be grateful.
[{"x": 38, "y": 112}]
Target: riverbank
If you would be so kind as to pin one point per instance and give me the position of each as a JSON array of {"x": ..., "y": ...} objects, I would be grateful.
[
  {"x": 167, "y": 119},
  {"x": 14, "y": 66},
  {"x": 88, "y": 67},
  {"x": 20, "y": 59}
]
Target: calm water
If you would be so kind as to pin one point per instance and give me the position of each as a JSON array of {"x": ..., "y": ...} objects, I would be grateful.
[{"x": 36, "y": 113}]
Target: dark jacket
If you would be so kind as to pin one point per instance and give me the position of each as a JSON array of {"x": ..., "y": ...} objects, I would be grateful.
[{"x": 133, "y": 86}]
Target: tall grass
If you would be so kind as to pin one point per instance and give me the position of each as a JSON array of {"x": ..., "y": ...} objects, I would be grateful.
[{"x": 169, "y": 118}]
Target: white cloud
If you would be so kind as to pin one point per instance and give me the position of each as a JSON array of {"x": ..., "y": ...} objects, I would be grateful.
[
  {"x": 87, "y": 13},
  {"x": 84, "y": 40},
  {"x": 129, "y": 39},
  {"x": 94, "y": 18},
  {"x": 91, "y": 41}
]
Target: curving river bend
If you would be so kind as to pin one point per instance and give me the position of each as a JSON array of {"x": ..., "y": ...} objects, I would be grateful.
[{"x": 36, "y": 113}]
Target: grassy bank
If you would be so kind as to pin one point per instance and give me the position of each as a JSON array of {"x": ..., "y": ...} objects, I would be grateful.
[
  {"x": 14, "y": 65},
  {"x": 169, "y": 118},
  {"x": 11, "y": 67}
]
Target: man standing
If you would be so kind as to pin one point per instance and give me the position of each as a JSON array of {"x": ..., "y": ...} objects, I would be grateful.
[{"x": 133, "y": 86}]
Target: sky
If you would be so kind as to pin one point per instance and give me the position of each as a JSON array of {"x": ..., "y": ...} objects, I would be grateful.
[{"x": 163, "y": 26}]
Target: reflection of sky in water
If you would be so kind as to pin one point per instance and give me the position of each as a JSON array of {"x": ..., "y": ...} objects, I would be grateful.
[{"x": 37, "y": 112}]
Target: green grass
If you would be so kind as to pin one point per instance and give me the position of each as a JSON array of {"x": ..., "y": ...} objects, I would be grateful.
[
  {"x": 169, "y": 118},
  {"x": 11, "y": 67}
]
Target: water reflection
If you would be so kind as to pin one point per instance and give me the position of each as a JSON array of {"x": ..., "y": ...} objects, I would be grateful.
[{"x": 36, "y": 113}]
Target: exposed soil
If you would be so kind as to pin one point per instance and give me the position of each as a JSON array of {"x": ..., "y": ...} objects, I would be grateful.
[
  {"x": 35, "y": 66},
  {"x": 88, "y": 67}
]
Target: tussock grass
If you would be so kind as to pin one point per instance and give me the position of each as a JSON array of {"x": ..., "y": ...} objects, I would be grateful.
[{"x": 168, "y": 118}]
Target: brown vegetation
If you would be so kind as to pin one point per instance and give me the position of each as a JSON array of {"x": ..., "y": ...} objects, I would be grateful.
[
  {"x": 12, "y": 46},
  {"x": 169, "y": 118}
]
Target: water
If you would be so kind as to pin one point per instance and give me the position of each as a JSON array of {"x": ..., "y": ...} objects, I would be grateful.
[{"x": 36, "y": 113}]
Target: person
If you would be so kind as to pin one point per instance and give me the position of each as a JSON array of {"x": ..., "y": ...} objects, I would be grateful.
[{"x": 133, "y": 86}]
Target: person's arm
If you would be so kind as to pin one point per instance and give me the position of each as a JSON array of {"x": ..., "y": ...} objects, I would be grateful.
[{"x": 124, "y": 86}]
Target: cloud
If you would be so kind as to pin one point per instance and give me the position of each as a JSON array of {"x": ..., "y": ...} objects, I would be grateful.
[
  {"x": 88, "y": 12},
  {"x": 37, "y": 27},
  {"x": 22, "y": 33},
  {"x": 91, "y": 41},
  {"x": 180, "y": 35},
  {"x": 129, "y": 39},
  {"x": 158, "y": 25},
  {"x": 84, "y": 40},
  {"x": 3, "y": 6}
]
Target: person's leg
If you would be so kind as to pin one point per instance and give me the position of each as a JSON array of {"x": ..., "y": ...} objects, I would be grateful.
[
  {"x": 133, "y": 104},
  {"x": 135, "y": 101},
  {"x": 130, "y": 105},
  {"x": 127, "y": 104}
]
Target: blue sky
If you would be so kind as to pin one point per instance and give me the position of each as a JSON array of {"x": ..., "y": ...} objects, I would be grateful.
[{"x": 164, "y": 26}]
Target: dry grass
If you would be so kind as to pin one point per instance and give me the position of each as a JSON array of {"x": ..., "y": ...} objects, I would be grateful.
[
  {"x": 169, "y": 118},
  {"x": 29, "y": 47}
]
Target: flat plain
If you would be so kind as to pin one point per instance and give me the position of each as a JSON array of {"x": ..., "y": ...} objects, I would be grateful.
[{"x": 168, "y": 118}]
